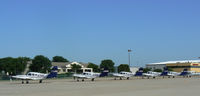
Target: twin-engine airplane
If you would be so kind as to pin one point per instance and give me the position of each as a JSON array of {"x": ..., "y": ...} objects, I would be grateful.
[
  {"x": 37, "y": 76},
  {"x": 123, "y": 74},
  {"x": 186, "y": 73},
  {"x": 139, "y": 73},
  {"x": 169, "y": 73},
  {"x": 90, "y": 75},
  {"x": 151, "y": 74}
]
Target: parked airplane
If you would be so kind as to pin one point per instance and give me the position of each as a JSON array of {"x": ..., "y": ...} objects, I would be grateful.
[
  {"x": 139, "y": 73},
  {"x": 37, "y": 76},
  {"x": 149, "y": 74},
  {"x": 169, "y": 73},
  {"x": 123, "y": 75},
  {"x": 90, "y": 75},
  {"x": 186, "y": 73}
]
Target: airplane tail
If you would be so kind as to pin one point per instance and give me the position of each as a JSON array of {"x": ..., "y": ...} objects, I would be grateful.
[
  {"x": 54, "y": 72},
  {"x": 184, "y": 72},
  {"x": 165, "y": 72},
  {"x": 139, "y": 72},
  {"x": 104, "y": 73}
]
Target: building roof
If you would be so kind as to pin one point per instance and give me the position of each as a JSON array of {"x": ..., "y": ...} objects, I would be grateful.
[
  {"x": 172, "y": 62},
  {"x": 60, "y": 64},
  {"x": 64, "y": 64}
]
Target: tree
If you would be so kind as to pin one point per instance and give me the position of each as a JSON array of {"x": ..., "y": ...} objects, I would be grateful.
[
  {"x": 108, "y": 64},
  {"x": 21, "y": 63},
  {"x": 123, "y": 67},
  {"x": 170, "y": 69},
  {"x": 59, "y": 59},
  {"x": 13, "y": 66},
  {"x": 75, "y": 67},
  {"x": 40, "y": 64},
  {"x": 145, "y": 70},
  {"x": 157, "y": 70},
  {"x": 94, "y": 67},
  {"x": 8, "y": 65}
]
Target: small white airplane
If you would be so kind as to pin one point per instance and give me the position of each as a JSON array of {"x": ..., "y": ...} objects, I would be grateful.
[
  {"x": 123, "y": 74},
  {"x": 169, "y": 73},
  {"x": 37, "y": 76},
  {"x": 151, "y": 74},
  {"x": 186, "y": 73},
  {"x": 192, "y": 73},
  {"x": 139, "y": 73},
  {"x": 90, "y": 75}
]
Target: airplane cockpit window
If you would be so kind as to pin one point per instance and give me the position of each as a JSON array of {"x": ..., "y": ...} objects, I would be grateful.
[{"x": 29, "y": 74}]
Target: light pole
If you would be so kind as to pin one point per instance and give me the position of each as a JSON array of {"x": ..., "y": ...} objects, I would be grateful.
[{"x": 129, "y": 57}]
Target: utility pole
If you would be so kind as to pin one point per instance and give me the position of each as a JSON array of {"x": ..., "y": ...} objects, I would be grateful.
[{"x": 129, "y": 57}]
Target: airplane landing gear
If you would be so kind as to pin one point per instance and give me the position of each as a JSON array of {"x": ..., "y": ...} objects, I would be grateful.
[
  {"x": 27, "y": 82},
  {"x": 154, "y": 77},
  {"x": 77, "y": 80},
  {"x": 82, "y": 80},
  {"x": 92, "y": 79},
  {"x": 127, "y": 78},
  {"x": 40, "y": 81},
  {"x": 120, "y": 78},
  {"x": 22, "y": 81},
  {"x": 115, "y": 79}
]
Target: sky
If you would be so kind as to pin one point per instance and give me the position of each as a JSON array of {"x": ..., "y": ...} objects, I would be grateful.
[{"x": 94, "y": 30}]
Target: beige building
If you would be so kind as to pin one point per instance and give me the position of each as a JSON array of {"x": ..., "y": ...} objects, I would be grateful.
[
  {"x": 64, "y": 67},
  {"x": 134, "y": 69},
  {"x": 177, "y": 66}
]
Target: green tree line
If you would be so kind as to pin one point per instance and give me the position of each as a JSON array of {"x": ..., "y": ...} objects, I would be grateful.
[
  {"x": 42, "y": 64},
  {"x": 13, "y": 66}
]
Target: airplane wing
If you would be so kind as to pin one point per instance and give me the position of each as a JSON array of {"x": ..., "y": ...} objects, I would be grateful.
[
  {"x": 150, "y": 75},
  {"x": 117, "y": 75},
  {"x": 79, "y": 76},
  {"x": 89, "y": 77},
  {"x": 23, "y": 77}
]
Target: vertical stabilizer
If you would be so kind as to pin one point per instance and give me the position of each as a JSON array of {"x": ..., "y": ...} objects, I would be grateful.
[
  {"x": 104, "y": 72},
  {"x": 184, "y": 72},
  {"x": 165, "y": 72},
  {"x": 139, "y": 72},
  {"x": 53, "y": 73}
]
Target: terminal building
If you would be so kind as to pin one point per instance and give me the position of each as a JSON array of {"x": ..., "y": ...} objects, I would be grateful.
[{"x": 177, "y": 66}]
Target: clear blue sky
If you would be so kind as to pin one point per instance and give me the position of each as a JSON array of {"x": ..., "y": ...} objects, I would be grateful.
[{"x": 93, "y": 30}]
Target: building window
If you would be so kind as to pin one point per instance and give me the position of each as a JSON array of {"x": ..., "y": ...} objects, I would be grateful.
[{"x": 64, "y": 70}]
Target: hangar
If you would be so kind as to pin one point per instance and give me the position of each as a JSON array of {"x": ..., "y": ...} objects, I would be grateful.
[{"x": 177, "y": 66}]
